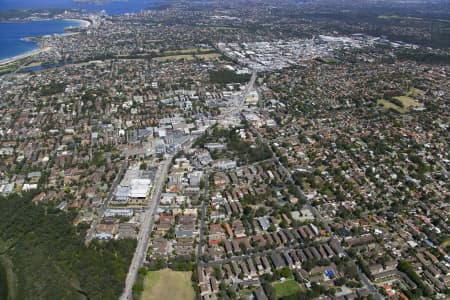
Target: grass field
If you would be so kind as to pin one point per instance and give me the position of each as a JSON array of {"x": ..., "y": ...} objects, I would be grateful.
[
  {"x": 386, "y": 104},
  {"x": 329, "y": 60},
  {"x": 413, "y": 92},
  {"x": 174, "y": 57},
  {"x": 209, "y": 55},
  {"x": 8, "y": 67},
  {"x": 188, "y": 56},
  {"x": 286, "y": 288},
  {"x": 167, "y": 284},
  {"x": 222, "y": 27},
  {"x": 406, "y": 100},
  {"x": 34, "y": 64},
  {"x": 187, "y": 51},
  {"x": 446, "y": 243},
  {"x": 395, "y": 17}
]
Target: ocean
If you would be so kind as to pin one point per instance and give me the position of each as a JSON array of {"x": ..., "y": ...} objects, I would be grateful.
[
  {"x": 11, "y": 34},
  {"x": 112, "y": 7}
]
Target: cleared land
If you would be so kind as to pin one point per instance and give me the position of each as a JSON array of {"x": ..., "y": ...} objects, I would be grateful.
[
  {"x": 286, "y": 288},
  {"x": 174, "y": 57},
  {"x": 34, "y": 64},
  {"x": 209, "y": 55},
  {"x": 398, "y": 17},
  {"x": 8, "y": 67},
  {"x": 446, "y": 243},
  {"x": 389, "y": 105},
  {"x": 223, "y": 27},
  {"x": 406, "y": 101},
  {"x": 187, "y": 51},
  {"x": 187, "y": 56},
  {"x": 413, "y": 92},
  {"x": 328, "y": 60},
  {"x": 168, "y": 284}
]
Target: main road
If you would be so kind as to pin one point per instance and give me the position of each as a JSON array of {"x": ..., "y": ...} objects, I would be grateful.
[
  {"x": 146, "y": 228},
  {"x": 203, "y": 217},
  {"x": 147, "y": 225}
]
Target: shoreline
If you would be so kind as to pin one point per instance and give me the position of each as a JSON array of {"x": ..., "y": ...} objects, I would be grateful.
[
  {"x": 81, "y": 23},
  {"x": 23, "y": 55}
]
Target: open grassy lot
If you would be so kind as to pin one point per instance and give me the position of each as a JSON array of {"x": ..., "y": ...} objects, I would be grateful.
[
  {"x": 208, "y": 55},
  {"x": 34, "y": 64},
  {"x": 8, "y": 67},
  {"x": 286, "y": 288},
  {"x": 188, "y": 56},
  {"x": 223, "y": 27},
  {"x": 413, "y": 92},
  {"x": 446, "y": 243},
  {"x": 167, "y": 284},
  {"x": 395, "y": 17},
  {"x": 387, "y": 104},
  {"x": 174, "y": 57},
  {"x": 407, "y": 101},
  {"x": 187, "y": 51}
]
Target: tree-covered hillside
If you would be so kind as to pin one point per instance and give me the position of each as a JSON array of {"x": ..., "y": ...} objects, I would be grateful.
[{"x": 49, "y": 258}]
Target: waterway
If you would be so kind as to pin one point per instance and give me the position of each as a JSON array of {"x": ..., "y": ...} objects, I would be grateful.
[
  {"x": 12, "y": 34},
  {"x": 111, "y": 7}
]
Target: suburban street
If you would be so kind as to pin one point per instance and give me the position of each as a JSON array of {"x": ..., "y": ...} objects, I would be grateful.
[
  {"x": 101, "y": 210},
  {"x": 250, "y": 255},
  {"x": 314, "y": 211},
  {"x": 319, "y": 217}
]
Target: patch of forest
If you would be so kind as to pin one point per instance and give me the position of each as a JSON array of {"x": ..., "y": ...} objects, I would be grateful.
[{"x": 50, "y": 259}]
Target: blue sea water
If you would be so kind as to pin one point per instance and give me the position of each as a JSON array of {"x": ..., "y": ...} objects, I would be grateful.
[
  {"x": 12, "y": 33},
  {"x": 112, "y": 7}
]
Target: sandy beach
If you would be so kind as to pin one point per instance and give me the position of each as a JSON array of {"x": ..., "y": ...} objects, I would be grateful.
[
  {"x": 83, "y": 23},
  {"x": 24, "y": 55}
]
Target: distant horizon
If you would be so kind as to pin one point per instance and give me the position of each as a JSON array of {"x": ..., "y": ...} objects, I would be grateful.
[
  {"x": 11, "y": 42},
  {"x": 111, "y": 7}
]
